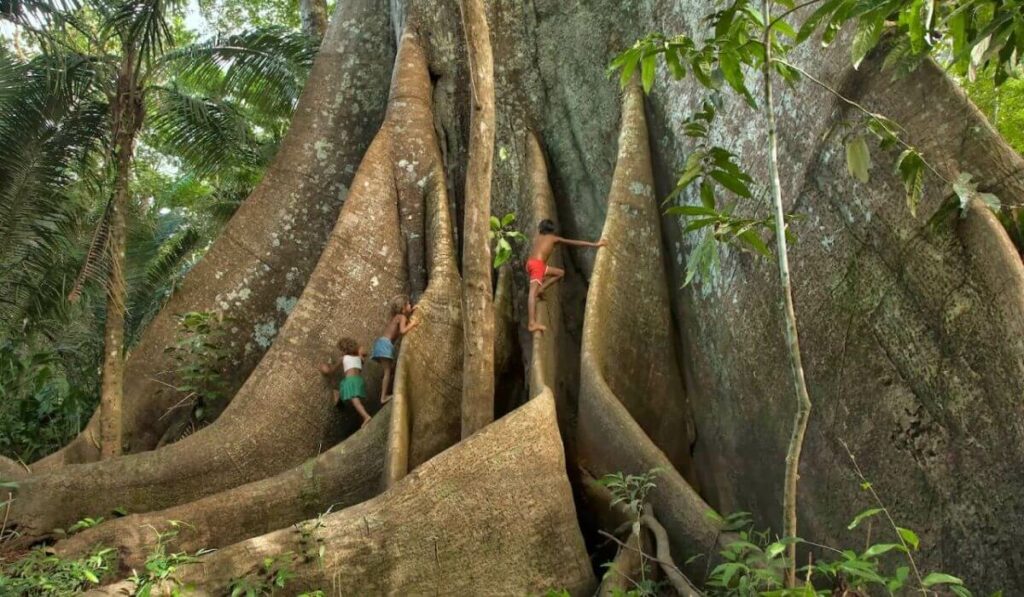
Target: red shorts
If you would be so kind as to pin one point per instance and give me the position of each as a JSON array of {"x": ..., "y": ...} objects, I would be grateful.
[{"x": 536, "y": 268}]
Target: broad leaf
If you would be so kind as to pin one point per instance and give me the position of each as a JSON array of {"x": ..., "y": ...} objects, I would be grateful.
[
  {"x": 858, "y": 158},
  {"x": 938, "y": 578},
  {"x": 881, "y": 548},
  {"x": 863, "y": 516},
  {"x": 910, "y": 537},
  {"x": 732, "y": 183}
]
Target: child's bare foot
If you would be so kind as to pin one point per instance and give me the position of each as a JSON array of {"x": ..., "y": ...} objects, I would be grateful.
[
  {"x": 365, "y": 421},
  {"x": 536, "y": 327},
  {"x": 386, "y": 399}
]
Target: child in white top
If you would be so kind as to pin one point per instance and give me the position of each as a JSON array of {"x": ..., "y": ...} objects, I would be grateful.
[{"x": 352, "y": 388}]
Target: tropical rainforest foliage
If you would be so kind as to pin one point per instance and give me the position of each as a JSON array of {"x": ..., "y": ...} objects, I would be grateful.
[{"x": 215, "y": 108}]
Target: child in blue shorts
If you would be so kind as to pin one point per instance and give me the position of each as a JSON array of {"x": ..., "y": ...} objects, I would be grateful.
[
  {"x": 352, "y": 387},
  {"x": 400, "y": 322}
]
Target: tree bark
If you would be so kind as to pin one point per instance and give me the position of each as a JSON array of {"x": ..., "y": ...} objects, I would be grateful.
[
  {"x": 347, "y": 474},
  {"x": 112, "y": 387},
  {"x": 478, "y": 367},
  {"x": 258, "y": 266},
  {"x": 632, "y": 405},
  {"x": 126, "y": 115},
  {"x": 425, "y": 420},
  {"x": 283, "y": 416},
  {"x": 313, "y": 14},
  {"x": 492, "y": 515},
  {"x": 544, "y": 359}
]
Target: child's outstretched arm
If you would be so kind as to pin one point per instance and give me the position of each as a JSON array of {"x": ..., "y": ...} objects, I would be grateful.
[
  {"x": 582, "y": 243},
  {"x": 329, "y": 369},
  {"x": 405, "y": 324}
]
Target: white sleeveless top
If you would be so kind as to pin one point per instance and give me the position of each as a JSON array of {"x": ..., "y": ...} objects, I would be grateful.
[{"x": 351, "y": 362}]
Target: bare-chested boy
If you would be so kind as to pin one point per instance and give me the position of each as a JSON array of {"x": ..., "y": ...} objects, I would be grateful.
[
  {"x": 541, "y": 274},
  {"x": 400, "y": 322}
]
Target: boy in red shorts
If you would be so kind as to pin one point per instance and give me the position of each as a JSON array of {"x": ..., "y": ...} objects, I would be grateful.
[{"x": 541, "y": 274}]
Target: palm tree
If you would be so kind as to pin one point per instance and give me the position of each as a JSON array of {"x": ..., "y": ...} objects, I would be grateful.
[{"x": 219, "y": 108}]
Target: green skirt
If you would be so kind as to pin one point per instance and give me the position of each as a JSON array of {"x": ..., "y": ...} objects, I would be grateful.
[{"x": 352, "y": 386}]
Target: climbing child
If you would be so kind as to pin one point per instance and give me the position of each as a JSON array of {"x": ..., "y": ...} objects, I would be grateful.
[
  {"x": 541, "y": 274},
  {"x": 399, "y": 323},
  {"x": 352, "y": 387}
]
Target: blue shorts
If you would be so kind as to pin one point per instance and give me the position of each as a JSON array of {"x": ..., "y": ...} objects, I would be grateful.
[{"x": 383, "y": 349}]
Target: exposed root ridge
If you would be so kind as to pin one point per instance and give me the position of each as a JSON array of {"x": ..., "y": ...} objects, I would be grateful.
[
  {"x": 509, "y": 527},
  {"x": 544, "y": 357},
  {"x": 426, "y": 417},
  {"x": 343, "y": 476},
  {"x": 632, "y": 402}
]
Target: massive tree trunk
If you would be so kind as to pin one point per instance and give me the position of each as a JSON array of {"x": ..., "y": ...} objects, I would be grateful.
[
  {"x": 927, "y": 326},
  {"x": 426, "y": 419},
  {"x": 260, "y": 263},
  {"x": 282, "y": 415}
]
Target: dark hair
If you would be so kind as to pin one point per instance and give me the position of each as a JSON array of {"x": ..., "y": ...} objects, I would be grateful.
[
  {"x": 546, "y": 227},
  {"x": 397, "y": 304},
  {"x": 348, "y": 346}
]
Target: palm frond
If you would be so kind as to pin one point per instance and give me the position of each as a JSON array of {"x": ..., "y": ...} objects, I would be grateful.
[
  {"x": 142, "y": 26},
  {"x": 153, "y": 280},
  {"x": 208, "y": 134},
  {"x": 264, "y": 68},
  {"x": 35, "y": 13},
  {"x": 49, "y": 131},
  {"x": 94, "y": 267}
]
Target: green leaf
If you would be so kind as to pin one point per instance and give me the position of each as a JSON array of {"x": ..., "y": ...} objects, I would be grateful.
[
  {"x": 647, "y": 68},
  {"x": 732, "y": 183},
  {"x": 866, "y": 38},
  {"x": 910, "y": 537},
  {"x": 508, "y": 219},
  {"x": 674, "y": 65},
  {"x": 629, "y": 60},
  {"x": 753, "y": 239},
  {"x": 938, "y": 578},
  {"x": 691, "y": 210},
  {"x": 733, "y": 73},
  {"x": 707, "y": 194},
  {"x": 774, "y": 550},
  {"x": 692, "y": 170},
  {"x": 910, "y": 167},
  {"x": 816, "y": 18},
  {"x": 858, "y": 158},
  {"x": 863, "y": 516},
  {"x": 916, "y": 25},
  {"x": 881, "y": 548},
  {"x": 495, "y": 223}
]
